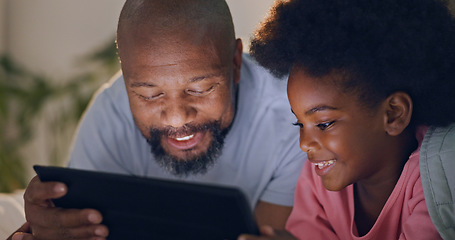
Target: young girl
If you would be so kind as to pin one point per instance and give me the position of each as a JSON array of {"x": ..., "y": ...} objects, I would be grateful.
[{"x": 366, "y": 80}]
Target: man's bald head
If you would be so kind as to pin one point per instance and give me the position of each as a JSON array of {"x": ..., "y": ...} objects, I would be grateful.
[
  {"x": 190, "y": 20},
  {"x": 181, "y": 65}
]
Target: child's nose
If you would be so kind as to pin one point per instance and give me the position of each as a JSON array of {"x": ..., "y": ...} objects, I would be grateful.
[{"x": 307, "y": 142}]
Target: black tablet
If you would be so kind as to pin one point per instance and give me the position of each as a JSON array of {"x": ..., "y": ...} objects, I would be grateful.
[{"x": 148, "y": 208}]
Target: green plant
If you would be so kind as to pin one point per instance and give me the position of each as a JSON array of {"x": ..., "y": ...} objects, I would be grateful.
[{"x": 26, "y": 96}]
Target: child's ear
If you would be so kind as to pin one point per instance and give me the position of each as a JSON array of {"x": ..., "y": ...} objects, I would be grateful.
[{"x": 398, "y": 113}]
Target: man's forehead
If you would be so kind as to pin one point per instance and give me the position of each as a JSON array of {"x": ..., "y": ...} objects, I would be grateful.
[
  {"x": 175, "y": 44},
  {"x": 173, "y": 55},
  {"x": 146, "y": 35},
  {"x": 174, "y": 61},
  {"x": 183, "y": 72}
]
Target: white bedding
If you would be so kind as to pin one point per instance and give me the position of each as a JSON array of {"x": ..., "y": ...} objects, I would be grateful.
[{"x": 11, "y": 212}]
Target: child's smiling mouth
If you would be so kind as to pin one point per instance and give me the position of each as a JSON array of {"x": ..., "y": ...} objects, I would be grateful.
[
  {"x": 322, "y": 168},
  {"x": 323, "y": 164}
]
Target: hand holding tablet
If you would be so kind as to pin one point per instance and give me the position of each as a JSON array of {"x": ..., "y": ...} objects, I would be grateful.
[{"x": 149, "y": 208}]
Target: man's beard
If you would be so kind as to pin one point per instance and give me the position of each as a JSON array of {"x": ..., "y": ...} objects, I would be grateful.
[{"x": 198, "y": 164}]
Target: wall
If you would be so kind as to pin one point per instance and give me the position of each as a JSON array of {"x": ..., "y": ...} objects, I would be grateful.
[
  {"x": 247, "y": 15},
  {"x": 51, "y": 36},
  {"x": 3, "y": 18}
]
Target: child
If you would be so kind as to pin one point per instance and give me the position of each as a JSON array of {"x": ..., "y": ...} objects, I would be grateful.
[{"x": 366, "y": 80}]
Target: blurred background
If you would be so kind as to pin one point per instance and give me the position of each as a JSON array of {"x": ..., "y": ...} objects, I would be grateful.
[{"x": 53, "y": 55}]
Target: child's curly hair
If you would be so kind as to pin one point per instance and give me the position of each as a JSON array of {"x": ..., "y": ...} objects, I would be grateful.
[{"x": 380, "y": 46}]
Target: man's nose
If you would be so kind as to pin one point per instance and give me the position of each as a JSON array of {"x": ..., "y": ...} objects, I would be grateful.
[{"x": 177, "y": 113}]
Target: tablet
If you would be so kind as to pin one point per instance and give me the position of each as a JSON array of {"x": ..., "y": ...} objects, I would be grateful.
[{"x": 150, "y": 208}]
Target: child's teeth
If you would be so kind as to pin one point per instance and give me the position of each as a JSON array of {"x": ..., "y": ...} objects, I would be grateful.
[
  {"x": 185, "y": 138},
  {"x": 321, "y": 165}
]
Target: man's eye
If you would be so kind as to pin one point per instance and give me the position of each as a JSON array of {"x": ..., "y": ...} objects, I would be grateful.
[
  {"x": 154, "y": 97},
  {"x": 298, "y": 124},
  {"x": 200, "y": 93},
  {"x": 194, "y": 92},
  {"x": 324, "y": 126}
]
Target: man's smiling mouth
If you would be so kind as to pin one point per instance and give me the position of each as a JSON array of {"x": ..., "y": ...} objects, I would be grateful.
[
  {"x": 185, "y": 138},
  {"x": 186, "y": 142}
]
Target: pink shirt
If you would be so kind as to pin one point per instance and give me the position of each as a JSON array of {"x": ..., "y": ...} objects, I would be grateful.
[{"x": 322, "y": 214}]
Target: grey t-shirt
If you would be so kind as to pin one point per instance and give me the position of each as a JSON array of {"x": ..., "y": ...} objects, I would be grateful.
[{"x": 261, "y": 154}]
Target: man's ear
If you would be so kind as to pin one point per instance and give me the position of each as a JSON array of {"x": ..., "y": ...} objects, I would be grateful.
[
  {"x": 237, "y": 60},
  {"x": 398, "y": 113}
]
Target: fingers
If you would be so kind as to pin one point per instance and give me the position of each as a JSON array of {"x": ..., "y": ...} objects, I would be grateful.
[
  {"x": 268, "y": 233},
  {"x": 28, "y": 236},
  {"x": 22, "y": 236},
  {"x": 50, "y": 222},
  {"x": 58, "y": 223},
  {"x": 40, "y": 193},
  {"x": 252, "y": 237},
  {"x": 59, "y": 217},
  {"x": 282, "y": 235},
  {"x": 25, "y": 228},
  {"x": 82, "y": 232}
]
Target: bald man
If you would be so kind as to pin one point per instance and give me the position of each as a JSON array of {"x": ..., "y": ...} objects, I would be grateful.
[{"x": 189, "y": 105}]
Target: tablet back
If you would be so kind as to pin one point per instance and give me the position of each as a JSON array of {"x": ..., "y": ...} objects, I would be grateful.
[{"x": 147, "y": 208}]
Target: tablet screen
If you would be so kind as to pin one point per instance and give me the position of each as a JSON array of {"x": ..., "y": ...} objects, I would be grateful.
[{"x": 149, "y": 208}]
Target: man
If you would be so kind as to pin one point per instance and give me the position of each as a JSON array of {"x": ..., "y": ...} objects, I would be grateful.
[{"x": 207, "y": 113}]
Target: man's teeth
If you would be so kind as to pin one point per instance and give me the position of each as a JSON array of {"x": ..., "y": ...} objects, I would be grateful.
[
  {"x": 185, "y": 138},
  {"x": 324, "y": 164}
]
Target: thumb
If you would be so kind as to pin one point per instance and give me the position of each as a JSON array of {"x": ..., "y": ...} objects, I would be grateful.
[
  {"x": 22, "y": 236},
  {"x": 23, "y": 233},
  {"x": 267, "y": 230}
]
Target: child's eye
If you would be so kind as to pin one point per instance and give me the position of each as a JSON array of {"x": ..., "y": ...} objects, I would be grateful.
[
  {"x": 298, "y": 124},
  {"x": 324, "y": 126}
]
